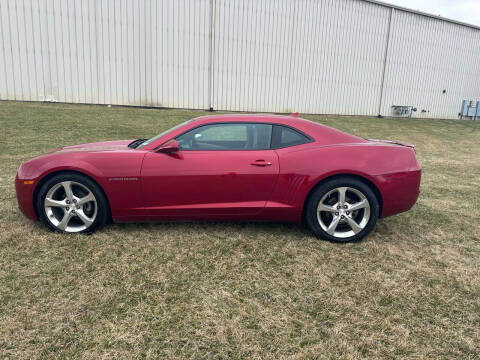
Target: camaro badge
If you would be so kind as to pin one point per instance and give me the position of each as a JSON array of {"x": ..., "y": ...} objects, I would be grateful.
[{"x": 123, "y": 179}]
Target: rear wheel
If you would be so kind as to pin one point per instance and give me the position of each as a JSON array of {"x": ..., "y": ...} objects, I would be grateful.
[
  {"x": 342, "y": 210},
  {"x": 72, "y": 203}
]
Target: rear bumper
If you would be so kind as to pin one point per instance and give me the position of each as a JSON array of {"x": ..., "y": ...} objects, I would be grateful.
[
  {"x": 25, "y": 197},
  {"x": 400, "y": 191}
]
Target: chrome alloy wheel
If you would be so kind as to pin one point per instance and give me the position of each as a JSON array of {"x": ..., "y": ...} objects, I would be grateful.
[
  {"x": 343, "y": 212},
  {"x": 70, "y": 206}
]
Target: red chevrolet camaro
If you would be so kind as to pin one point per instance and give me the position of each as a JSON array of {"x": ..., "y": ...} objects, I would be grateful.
[{"x": 226, "y": 167}]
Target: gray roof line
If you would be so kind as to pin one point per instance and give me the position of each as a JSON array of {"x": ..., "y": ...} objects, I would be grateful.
[{"x": 421, "y": 13}]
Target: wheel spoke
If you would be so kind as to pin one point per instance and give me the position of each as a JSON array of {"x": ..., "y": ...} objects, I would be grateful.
[
  {"x": 341, "y": 195},
  {"x": 67, "y": 185},
  {"x": 353, "y": 224},
  {"x": 327, "y": 208},
  {"x": 62, "y": 225},
  {"x": 55, "y": 203},
  {"x": 86, "y": 199},
  {"x": 333, "y": 225},
  {"x": 85, "y": 219},
  {"x": 359, "y": 205}
]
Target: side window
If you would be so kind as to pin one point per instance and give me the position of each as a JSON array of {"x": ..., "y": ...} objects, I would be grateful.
[
  {"x": 229, "y": 136},
  {"x": 285, "y": 137}
]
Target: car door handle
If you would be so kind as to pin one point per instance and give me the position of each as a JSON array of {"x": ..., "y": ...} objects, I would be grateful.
[{"x": 262, "y": 163}]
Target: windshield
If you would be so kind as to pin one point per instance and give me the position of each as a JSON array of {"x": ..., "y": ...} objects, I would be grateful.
[{"x": 145, "y": 143}]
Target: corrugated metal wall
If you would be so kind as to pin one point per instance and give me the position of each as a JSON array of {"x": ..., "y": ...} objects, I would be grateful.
[
  {"x": 311, "y": 56},
  {"x": 129, "y": 52},
  {"x": 283, "y": 55},
  {"x": 426, "y": 57}
]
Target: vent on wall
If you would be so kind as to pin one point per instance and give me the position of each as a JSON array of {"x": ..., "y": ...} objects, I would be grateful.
[{"x": 403, "y": 110}]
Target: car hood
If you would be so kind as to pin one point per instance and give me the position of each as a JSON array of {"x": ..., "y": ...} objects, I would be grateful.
[
  {"x": 75, "y": 156},
  {"x": 96, "y": 146}
]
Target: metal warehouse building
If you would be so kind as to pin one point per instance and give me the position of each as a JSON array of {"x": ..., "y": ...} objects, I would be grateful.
[{"x": 351, "y": 57}]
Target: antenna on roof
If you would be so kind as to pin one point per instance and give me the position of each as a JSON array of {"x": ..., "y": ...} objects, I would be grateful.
[{"x": 294, "y": 114}]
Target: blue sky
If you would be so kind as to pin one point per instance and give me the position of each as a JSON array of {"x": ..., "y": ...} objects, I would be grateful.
[{"x": 462, "y": 10}]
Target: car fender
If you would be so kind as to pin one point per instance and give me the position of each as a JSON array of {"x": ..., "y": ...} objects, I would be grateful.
[
  {"x": 303, "y": 168},
  {"x": 117, "y": 173}
]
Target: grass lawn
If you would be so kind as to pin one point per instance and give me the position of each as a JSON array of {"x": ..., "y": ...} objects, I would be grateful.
[{"x": 224, "y": 290}]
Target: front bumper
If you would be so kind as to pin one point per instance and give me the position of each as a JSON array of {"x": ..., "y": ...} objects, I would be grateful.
[{"x": 25, "y": 191}]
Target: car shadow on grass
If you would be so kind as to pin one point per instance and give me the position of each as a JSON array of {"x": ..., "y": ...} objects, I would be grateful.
[
  {"x": 281, "y": 231},
  {"x": 233, "y": 228}
]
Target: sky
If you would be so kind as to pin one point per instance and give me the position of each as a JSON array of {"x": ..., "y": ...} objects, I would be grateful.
[{"x": 462, "y": 10}]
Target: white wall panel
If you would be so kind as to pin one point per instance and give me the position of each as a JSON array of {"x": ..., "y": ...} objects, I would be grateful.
[
  {"x": 151, "y": 53},
  {"x": 428, "y": 56},
  {"x": 4, "y": 83},
  {"x": 305, "y": 55},
  {"x": 252, "y": 48},
  {"x": 311, "y": 56}
]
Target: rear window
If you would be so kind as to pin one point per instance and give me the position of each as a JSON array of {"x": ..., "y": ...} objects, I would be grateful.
[{"x": 284, "y": 136}]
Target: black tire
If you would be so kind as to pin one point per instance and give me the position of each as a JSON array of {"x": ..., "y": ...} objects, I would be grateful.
[
  {"x": 102, "y": 215},
  {"x": 327, "y": 187}
]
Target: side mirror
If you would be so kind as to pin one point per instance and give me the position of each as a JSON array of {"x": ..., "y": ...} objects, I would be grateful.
[{"x": 169, "y": 147}]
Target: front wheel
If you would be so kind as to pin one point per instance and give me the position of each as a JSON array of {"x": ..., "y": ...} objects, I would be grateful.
[
  {"x": 72, "y": 203},
  {"x": 342, "y": 210}
]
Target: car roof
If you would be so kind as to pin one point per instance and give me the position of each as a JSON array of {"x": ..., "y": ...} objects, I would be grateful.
[
  {"x": 321, "y": 133},
  {"x": 270, "y": 118}
]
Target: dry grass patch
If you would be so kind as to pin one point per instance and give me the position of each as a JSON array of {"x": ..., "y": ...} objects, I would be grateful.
[{"x": 227, "y": 290}]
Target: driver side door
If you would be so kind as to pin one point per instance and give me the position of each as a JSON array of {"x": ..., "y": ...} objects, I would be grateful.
[{"x": 223, "y": 169}]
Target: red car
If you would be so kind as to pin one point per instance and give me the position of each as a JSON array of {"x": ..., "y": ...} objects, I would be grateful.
[{"x": 226, "y": 167}]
